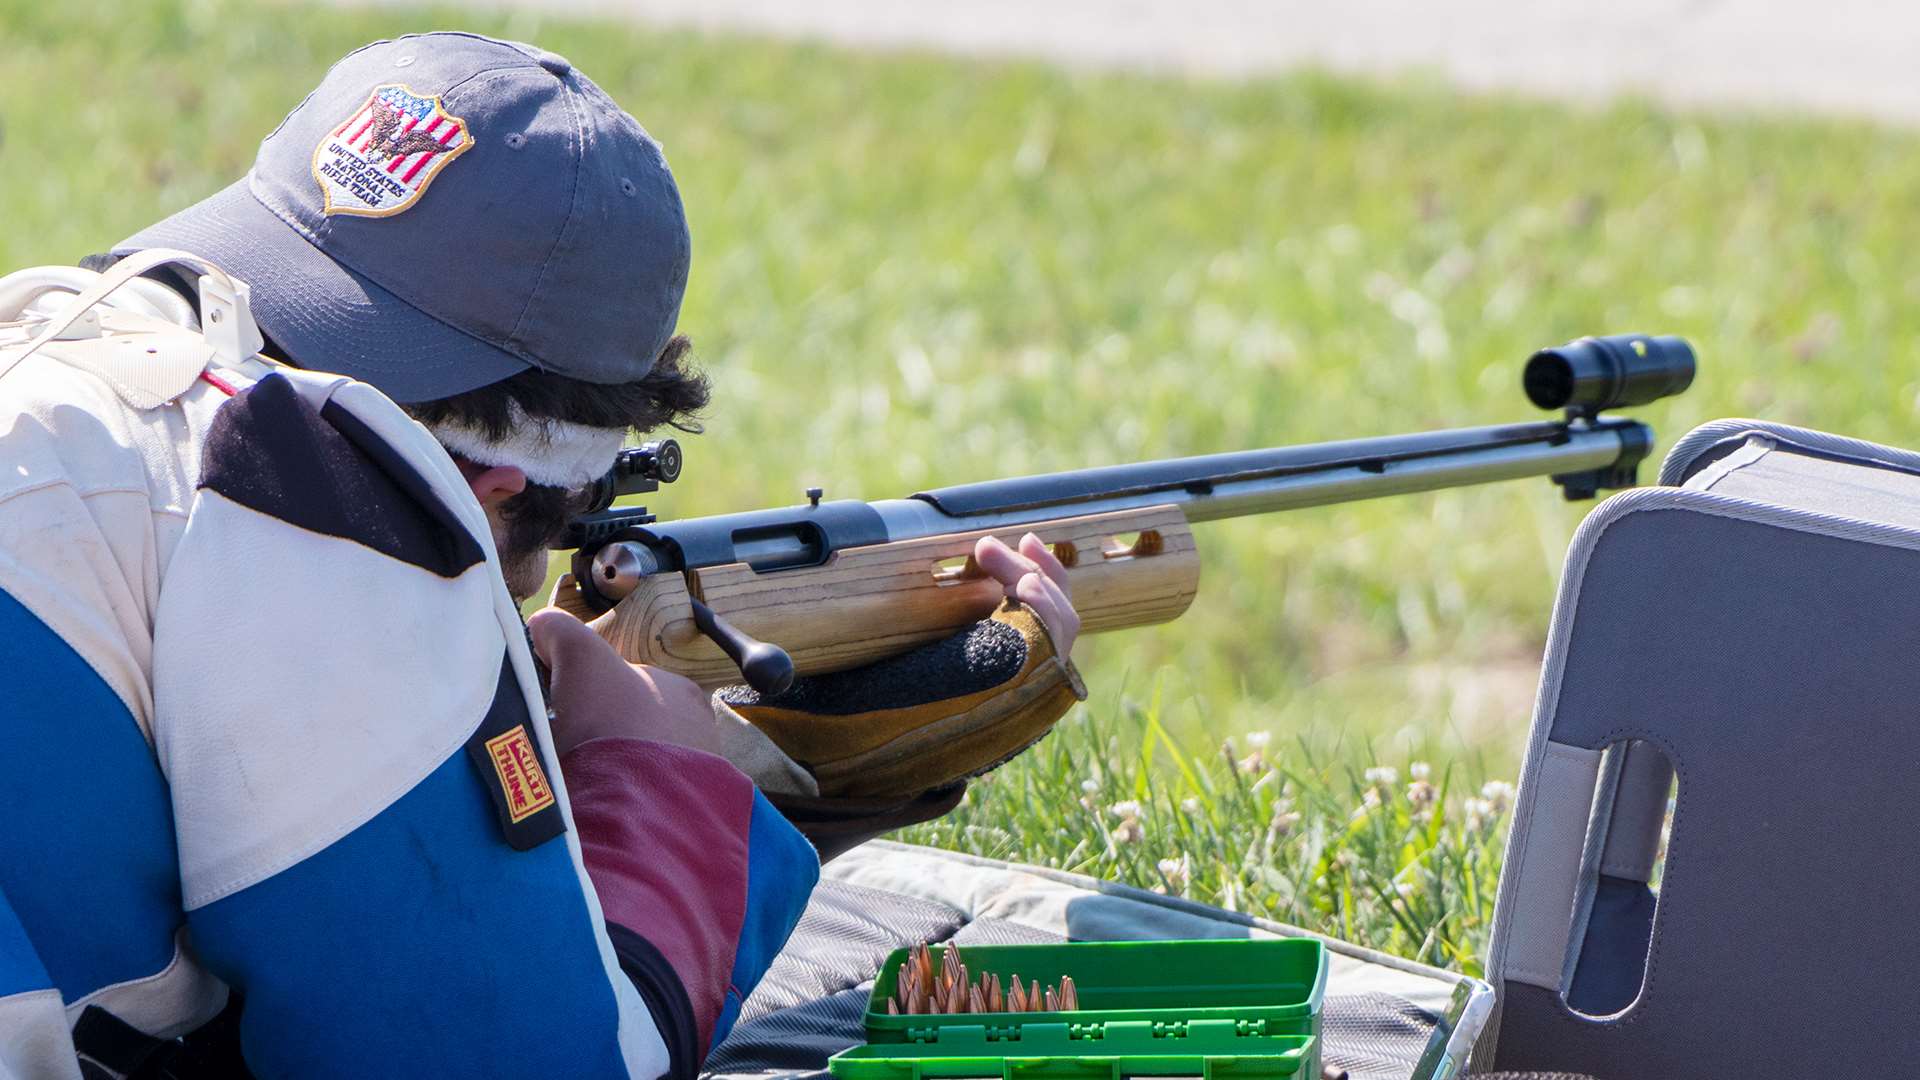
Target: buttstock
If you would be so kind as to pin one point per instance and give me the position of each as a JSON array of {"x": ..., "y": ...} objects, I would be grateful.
[{"x": 1126, "y": 568}]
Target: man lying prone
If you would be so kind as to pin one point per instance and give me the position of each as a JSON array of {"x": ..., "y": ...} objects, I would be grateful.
[{"x": 287, "y": 747}]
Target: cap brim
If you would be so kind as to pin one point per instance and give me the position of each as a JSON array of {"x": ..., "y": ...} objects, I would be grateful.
[{"x": 324, "y": 315}]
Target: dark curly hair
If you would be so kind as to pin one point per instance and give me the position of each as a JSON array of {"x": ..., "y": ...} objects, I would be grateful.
[{"x": 670, "y": 395}]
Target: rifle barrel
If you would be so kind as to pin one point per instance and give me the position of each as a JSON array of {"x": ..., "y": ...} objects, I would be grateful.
[
  {"x": 1206, "y": 488},
  {"x": 1249, "y": 482}
]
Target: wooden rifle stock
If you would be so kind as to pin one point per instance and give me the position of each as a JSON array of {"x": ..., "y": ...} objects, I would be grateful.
[{"x": 1125, "y": 568}]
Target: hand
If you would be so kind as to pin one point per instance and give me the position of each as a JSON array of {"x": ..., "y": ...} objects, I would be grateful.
[
  {"x": 1033, "y": 576},
  {"x": 595, "y": 693}
]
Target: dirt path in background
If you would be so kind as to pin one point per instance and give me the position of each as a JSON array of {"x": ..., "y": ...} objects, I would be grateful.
[{"x": 1834, "y": 56}]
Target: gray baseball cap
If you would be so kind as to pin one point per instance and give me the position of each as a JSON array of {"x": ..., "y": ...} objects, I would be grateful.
[{"x": 447, "y": 210}]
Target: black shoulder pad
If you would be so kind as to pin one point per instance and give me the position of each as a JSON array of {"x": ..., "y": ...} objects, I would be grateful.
[{"x": 328, "y": 472}]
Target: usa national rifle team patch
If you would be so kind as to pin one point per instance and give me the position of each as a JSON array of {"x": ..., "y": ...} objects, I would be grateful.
[{"x": 378, "y": 161}]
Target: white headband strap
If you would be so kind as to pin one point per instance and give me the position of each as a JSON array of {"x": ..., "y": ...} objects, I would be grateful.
[{"x": 552, "y": 452}]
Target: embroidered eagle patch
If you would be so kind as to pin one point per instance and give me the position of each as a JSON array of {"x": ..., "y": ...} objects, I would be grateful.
[{"x": 378, "y": 161}]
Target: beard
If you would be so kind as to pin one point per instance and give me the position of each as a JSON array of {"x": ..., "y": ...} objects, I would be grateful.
[
  {"x": 525, "y": 572},
  {"x": 524, "y": 529}
]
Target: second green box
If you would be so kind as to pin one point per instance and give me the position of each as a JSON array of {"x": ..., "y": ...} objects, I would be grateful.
[{"x": 1225, "y": 1007}]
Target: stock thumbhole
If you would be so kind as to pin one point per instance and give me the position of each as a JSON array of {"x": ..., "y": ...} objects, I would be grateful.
[
  {"x": 1131, "y": 545},
  {"x": 954, "y": 570}
]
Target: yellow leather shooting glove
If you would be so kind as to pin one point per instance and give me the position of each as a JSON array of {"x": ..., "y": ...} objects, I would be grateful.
[{"x": 926, "y": 719}]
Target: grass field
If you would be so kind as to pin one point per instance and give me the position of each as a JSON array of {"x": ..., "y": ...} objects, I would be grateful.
[{"x": 912, "y": 270}]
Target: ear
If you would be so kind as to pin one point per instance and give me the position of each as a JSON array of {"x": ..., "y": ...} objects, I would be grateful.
[{"x": 492, "y": 484}]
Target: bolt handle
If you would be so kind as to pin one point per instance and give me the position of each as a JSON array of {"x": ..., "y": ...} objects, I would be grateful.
[{"x": 766, "y": 667}]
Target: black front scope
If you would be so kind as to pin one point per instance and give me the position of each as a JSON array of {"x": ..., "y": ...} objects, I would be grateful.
[
  {"x": 1594, "y": 373},
  {"x": 637, "y": 470}
]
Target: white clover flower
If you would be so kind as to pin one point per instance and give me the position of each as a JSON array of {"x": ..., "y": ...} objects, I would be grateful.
[
  {"x": 1176, "y": 873},
  {"x": 1091, "y": 787},
  {"x": 1285, "y": 820},
  {"x": 1420, "y": 772},
  {"x": 1190, "y": 805},
  {"x": 1383, "y": 776},
  {"x": 1422, "y": 794},
  {"x": 1127, "y": 809},
  {"x": 1479, "y": 814},
  {"x": 1499, "y": 795},
  {"x": 1256, "y": 758}
]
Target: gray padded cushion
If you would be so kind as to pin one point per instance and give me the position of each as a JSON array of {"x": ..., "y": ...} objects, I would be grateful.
[
  {"x": 1779, "y": 472},
  {"x": 1780, "y": 671},
  {"x": 808, "y": 1007}
]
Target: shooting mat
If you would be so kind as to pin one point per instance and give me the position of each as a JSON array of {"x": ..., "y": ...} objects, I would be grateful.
[{"x": 880, "y": 896}]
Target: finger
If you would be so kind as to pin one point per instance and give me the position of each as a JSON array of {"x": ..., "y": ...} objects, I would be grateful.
[
  {"x": 986, "y": 549},
  {"x": 1052, "y": 623},
  {"x": 1043, "y": 557},
  {"x": 1002, "y": 563},
  {"x": 1032, "y": 591},
  {"x": 1043, "y": 596},
  {"x": 1053, "y": 604},
  {"x": 1069, "y": 615}
]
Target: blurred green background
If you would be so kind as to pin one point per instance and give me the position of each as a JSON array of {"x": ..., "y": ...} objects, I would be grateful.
[{"x": 912, "y": 270}]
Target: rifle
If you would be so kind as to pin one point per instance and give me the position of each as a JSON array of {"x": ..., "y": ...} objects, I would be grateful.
[{"x": 838, "y": 584}]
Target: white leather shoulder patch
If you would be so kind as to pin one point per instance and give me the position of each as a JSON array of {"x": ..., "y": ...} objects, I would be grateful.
[
  {"x": 302, "y": 683},
  {"x": 146, "y": 361}
]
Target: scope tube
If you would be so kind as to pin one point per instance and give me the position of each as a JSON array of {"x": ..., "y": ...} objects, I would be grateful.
[{"x": 1592, "y": 374}]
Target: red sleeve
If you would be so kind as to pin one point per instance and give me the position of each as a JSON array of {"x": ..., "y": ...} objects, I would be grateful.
[{"x": 685, "y": 854}]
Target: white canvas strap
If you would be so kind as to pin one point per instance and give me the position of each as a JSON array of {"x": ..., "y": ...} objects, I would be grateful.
[
  {"x": 142, "y": 296},
  {"x": 225, "y": 317}
]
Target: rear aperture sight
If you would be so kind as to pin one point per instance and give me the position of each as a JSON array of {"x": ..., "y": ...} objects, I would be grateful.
[{"x": 638, "y": 470}]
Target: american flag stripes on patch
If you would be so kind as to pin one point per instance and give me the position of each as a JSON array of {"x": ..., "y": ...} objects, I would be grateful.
[{"x": 379, "y": 160}]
